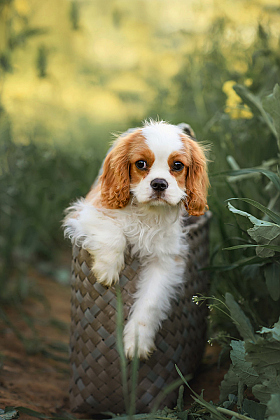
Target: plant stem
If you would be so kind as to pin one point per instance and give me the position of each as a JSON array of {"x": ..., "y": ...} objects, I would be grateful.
[{"x": 233, "y": 413}]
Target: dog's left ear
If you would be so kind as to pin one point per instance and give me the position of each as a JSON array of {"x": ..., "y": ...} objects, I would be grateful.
[
  {"x": 115, "y": 177},
  {"x": 197, "y": 181},
  {"x": 115, "y": 180}
]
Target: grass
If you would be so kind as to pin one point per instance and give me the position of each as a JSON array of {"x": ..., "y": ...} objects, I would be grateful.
[{"x": 36, "y": 184}]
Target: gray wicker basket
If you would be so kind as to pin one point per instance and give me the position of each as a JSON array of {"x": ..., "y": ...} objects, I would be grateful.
[{"x": 96, "y": 380}]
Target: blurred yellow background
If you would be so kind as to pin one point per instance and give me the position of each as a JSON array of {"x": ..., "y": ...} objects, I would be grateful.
[{"x": 105, "y": 62}]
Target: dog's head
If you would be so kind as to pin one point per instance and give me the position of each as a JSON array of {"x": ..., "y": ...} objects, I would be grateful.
[{"x": 159, "y": 164}]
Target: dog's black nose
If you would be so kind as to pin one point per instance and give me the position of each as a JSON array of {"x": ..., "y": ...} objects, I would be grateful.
[{"x": 159, "y": 184}]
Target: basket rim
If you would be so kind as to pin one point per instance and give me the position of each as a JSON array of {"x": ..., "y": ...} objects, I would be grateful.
[{"x": 198, "y": 222}]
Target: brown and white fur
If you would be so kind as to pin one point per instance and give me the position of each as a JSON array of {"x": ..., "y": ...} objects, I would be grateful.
[{"x": 149, "y": 178}]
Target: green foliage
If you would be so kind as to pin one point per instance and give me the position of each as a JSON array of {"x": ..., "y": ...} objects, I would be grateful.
[
  {"x": 263, "y": 233},
  {"x": 74, "y": 14},
  {"x": 241, "y": 321},
  {"x": 42, "y": 61},
  {"x": 255, "y": 257},
  {"x": 272, "y": 105},
  {"x": 250, "y": 258},
  {"x": 36, "y": 184},
  {"x": 255, "y": 362},
  {"x": 8, "y": 414},
  {"x": 273, "y": 407},
  {"x": 255, "y": 104},
  {"x": 17, "y": 32},
  {"x": 272, "y": 278}
]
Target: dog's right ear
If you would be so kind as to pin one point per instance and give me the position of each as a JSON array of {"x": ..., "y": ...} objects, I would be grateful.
[
  {"x": 115, "y": 179},
  {"x": 197, "y": 181}
]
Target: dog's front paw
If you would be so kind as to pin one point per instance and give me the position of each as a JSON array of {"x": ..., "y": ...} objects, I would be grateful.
[
  {"x": 138, "y": 337},
  {"x": 107, "y": 270}
]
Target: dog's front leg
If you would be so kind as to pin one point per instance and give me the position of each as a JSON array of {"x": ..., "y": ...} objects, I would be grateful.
[
  {"x": 108, "y": 254},
  {"x": 101, "y": 236},
  {"x": 158, "y": 284}
]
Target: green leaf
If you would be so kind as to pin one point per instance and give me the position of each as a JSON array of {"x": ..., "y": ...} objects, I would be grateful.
[
  {"x": 272, "y": 105},
  {"x": 263, "y": 232},
  {"x": 274, "y": 216},
  {"x": 243, "y": 369},
  {"x": 230, "y": 248},
  {"x": 273, "y": 333},
  {"x": 240, "y": 319},
  {"x": 243, "y": 262},
  {"x": 120, "y": 348},
  {"x": 273, "y": 407},
  {"x": 255, "y": 410},
  {"x": 264, "y": 356},
  {"x": 8, "y": 414},
  {"x": 167, "y": 390},
  {"x": 134, "y": 381},
  {"x": 268, "y": 387},
  {"x": 264, "y": 235},
  {"x": 33, "y": 413},
  {"x": 180, "y": 400},
  {"x": 272, "y": 278},
  {"x": 249, "y": 99},
  {"x": 229, "y": 384},
  {"x": 199, "y": 399},
  {"x": 274, "y": 178},
  {"x": 255, "y": 104},
  {"x": 255, "y": 364}
]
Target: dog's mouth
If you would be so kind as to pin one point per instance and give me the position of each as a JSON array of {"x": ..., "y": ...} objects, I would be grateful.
[
  {"x": 165, "y": 198},
  {"x": 158, "y": 198}
]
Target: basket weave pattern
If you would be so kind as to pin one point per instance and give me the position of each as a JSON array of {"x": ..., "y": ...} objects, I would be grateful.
[{"x": 96, "y": 380}]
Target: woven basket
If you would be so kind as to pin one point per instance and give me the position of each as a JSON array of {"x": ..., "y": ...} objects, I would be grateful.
[{"x": 96, "y": 380}]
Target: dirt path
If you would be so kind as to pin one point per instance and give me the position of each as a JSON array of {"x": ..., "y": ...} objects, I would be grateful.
[{"x": 38, "y": 381}]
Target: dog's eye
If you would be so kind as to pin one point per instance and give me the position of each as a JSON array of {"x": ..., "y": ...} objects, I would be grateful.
[
  {"x": 177, "y": 166},
  {"x": 141, "y": 164}
]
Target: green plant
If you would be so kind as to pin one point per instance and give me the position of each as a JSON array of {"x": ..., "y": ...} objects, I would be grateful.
[
  {"x": 253, "y": 267},
  {"x": 42, "y": 61},
  {"x": 74, "y": 15},
  {"x": 250, "y": 259},
  {"x": 36, "y": 184},
  {"x": 255, "y": 365},
  {"x": 16, "y": 30},
  {"x": 129, "y": 397}
]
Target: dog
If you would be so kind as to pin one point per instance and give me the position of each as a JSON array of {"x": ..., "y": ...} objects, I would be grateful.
[{"x": 150, "y": 179}]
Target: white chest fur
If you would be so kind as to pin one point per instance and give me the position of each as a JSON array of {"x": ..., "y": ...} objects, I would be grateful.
[{"x": 153, "y": 233}]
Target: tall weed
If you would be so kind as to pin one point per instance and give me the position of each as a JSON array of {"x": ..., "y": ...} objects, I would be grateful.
[{"x": 36, "y": 184}]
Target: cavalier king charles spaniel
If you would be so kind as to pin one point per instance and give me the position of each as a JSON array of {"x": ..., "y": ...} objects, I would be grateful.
[{"x": 150, "y": 178}]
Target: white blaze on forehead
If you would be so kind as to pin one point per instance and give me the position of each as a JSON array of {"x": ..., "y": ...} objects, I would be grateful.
[{"x": 162, "y": 139}]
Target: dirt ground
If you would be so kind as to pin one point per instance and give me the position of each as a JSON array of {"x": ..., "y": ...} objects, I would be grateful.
[{"x": 39, "y": 382}]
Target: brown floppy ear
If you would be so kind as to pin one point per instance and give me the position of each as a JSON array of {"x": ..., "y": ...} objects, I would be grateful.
[
  {"x": 197, "y": 181},
  {"x": 115, "y": 181}
]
